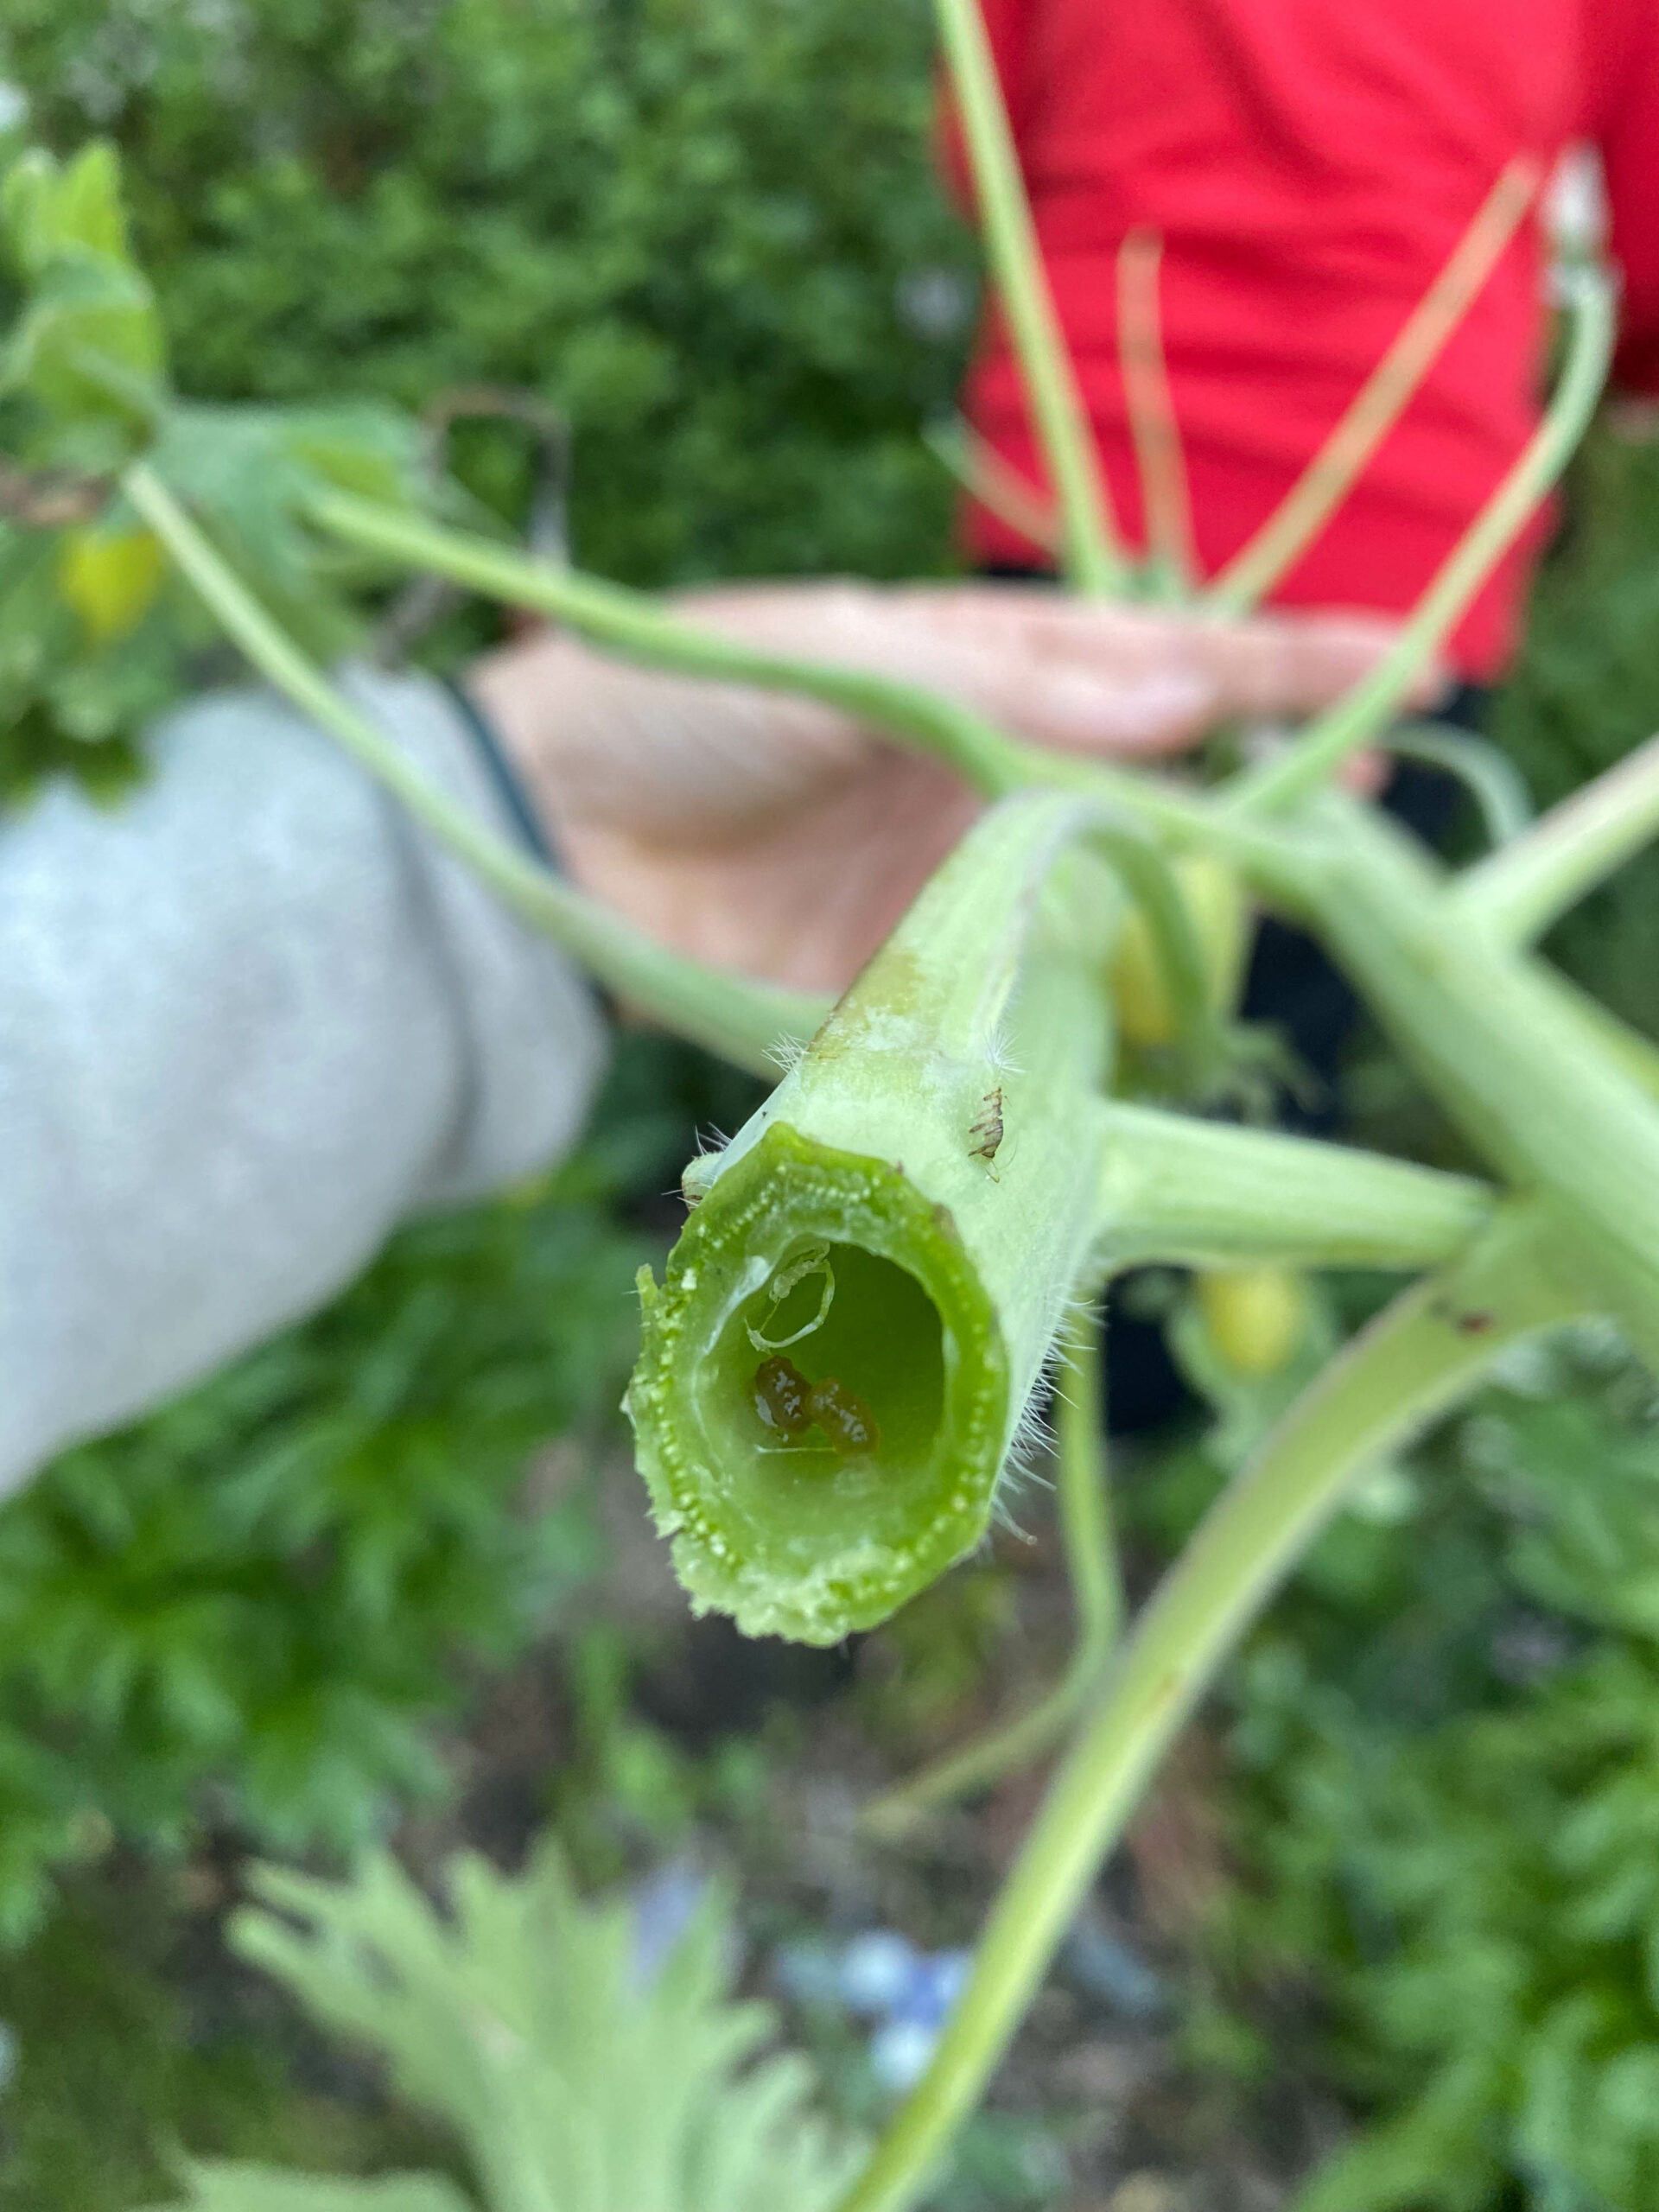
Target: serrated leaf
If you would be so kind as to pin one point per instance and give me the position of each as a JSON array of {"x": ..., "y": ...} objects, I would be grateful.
[{"x": 522, "y": 2021}]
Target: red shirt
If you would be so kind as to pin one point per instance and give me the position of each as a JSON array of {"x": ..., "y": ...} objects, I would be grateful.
[{"x": 1310, "y": 164}]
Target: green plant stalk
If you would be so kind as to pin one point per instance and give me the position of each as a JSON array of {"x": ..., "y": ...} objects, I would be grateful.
[
  {"x": 1511, "y": 1059},
  {"x": 1488, "y": 774},
  {"x": 744, "y": 1021},
  {"x": 984, "y": 475},
  {"x": 1146, "y": 875},
  {"x": 1354, "y": 721},
  {"x": 1170, "y": 570},
  {"x": 1411, "y": 1364},
  {"x": 1520, "y": 891},
  {"x": 1330, "y": 476},
  {"x": 1093, "y": 563},
  {"x": 1085, "y": 1514},
  {"x": 1636, "y": 1055},
  {"x": 1085, "y": 1490},
  {"x": 936, "y": 1136},
  {"x": 631, "y": 625},
  {"x": 1178, "y": 1191}
]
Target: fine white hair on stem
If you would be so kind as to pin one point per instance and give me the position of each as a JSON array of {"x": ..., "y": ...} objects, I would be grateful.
[
  {"x": 700, "y": 1169},
  {"x": 998, "y": 1054},
  {"x": 1031, "y": 1446},
  {"x": 786, "y": 1052}
]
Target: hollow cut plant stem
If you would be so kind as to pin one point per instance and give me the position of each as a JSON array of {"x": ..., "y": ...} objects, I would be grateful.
[
  {"x": 742, "y": 1020},
  {"x": 1083, "y": 1492},
  {"x": 1534, "y": 880},
  {"x": 944, "y": 1122},
  {"x": 1357, "y": 719},
  {"x": 1094, "y": 562},
  {"x": 1326, "y": 482},
  {"x": 1411, "y": 1364},
  {"x": 950, "y": 1121}
]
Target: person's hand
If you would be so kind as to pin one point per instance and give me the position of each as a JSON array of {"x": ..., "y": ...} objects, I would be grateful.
[{"x": 778, "y": 836}]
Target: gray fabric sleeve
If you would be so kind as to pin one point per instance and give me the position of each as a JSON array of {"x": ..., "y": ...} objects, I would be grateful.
[{"x": 249, "y": 1019}]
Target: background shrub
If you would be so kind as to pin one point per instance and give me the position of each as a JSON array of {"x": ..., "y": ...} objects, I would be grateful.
[{"x": 707, "y": 229}]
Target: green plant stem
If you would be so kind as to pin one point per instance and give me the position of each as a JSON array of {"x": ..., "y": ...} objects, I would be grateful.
[
  {"x": 981, "y": 471},
  {"x": 1146, "y": 874},
  {"x": 1326, "y": 480},
  {"x": 1093, "y": 563},
  {"x": 1638, "y": 1056},
  {"x": 1085, "y": 1488},
  {"x": 1533, "y": 882},
  {"x": 1171, "y": 564},
  {"x": 1508, "y": 1054},
  {"x": 1354, "y": 721},
  {"x": 1489, "y": 777},
  {"x": 631, "y": 624},
  {"x": 741, "y": 1019},
  {"x": 1414, "y": 1362},
  {"x": 1086, "y": 1513},
  {"x": 1181, "y": 1191}
]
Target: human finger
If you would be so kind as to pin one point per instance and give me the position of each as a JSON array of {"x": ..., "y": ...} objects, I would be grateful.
[{"x": 1115, "y": 679}]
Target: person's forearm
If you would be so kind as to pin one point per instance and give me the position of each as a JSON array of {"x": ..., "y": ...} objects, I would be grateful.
[{"x": 249, "y": 1020}]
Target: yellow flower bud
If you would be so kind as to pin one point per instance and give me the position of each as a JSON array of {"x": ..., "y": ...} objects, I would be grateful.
[
  {"x": 111, "y": 578},
  {"x": 1255, "y": 1317}
]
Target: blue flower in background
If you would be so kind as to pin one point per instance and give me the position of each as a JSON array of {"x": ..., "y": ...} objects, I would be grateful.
[{"x": 881, "y": 1976}]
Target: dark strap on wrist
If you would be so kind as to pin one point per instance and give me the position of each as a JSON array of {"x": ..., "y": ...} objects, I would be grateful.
[{"x": 493, "y": 754}]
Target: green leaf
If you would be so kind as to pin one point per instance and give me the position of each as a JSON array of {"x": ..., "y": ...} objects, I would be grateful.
[
  {"x": 46, "y": 208},
  {"x": 523, "y": 2019},
  {"x": 247, "y": 473},
  {"x": 88, "y": 342}
]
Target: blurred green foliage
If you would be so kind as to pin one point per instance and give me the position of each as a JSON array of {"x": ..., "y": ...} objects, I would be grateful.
[
  {"x": 1446, "y": 1809},
  {"x": 127, "y": 2034},
  {"x": 586, "y": 2060},
  {"x": 706, "y": 229},
  {"x": 96, "y": 632},
  {"x": 1587, "y": 689}
]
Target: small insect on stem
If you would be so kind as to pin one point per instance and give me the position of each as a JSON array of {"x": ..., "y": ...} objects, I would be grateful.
[
  {"x": 844, "y": 1419},
  {"x": 1466, "y": 1324},
  {"x": 780, "y": 1395},
  {"x": 785, "y": 1400},
  {"x": 987, "y": 1131}
]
